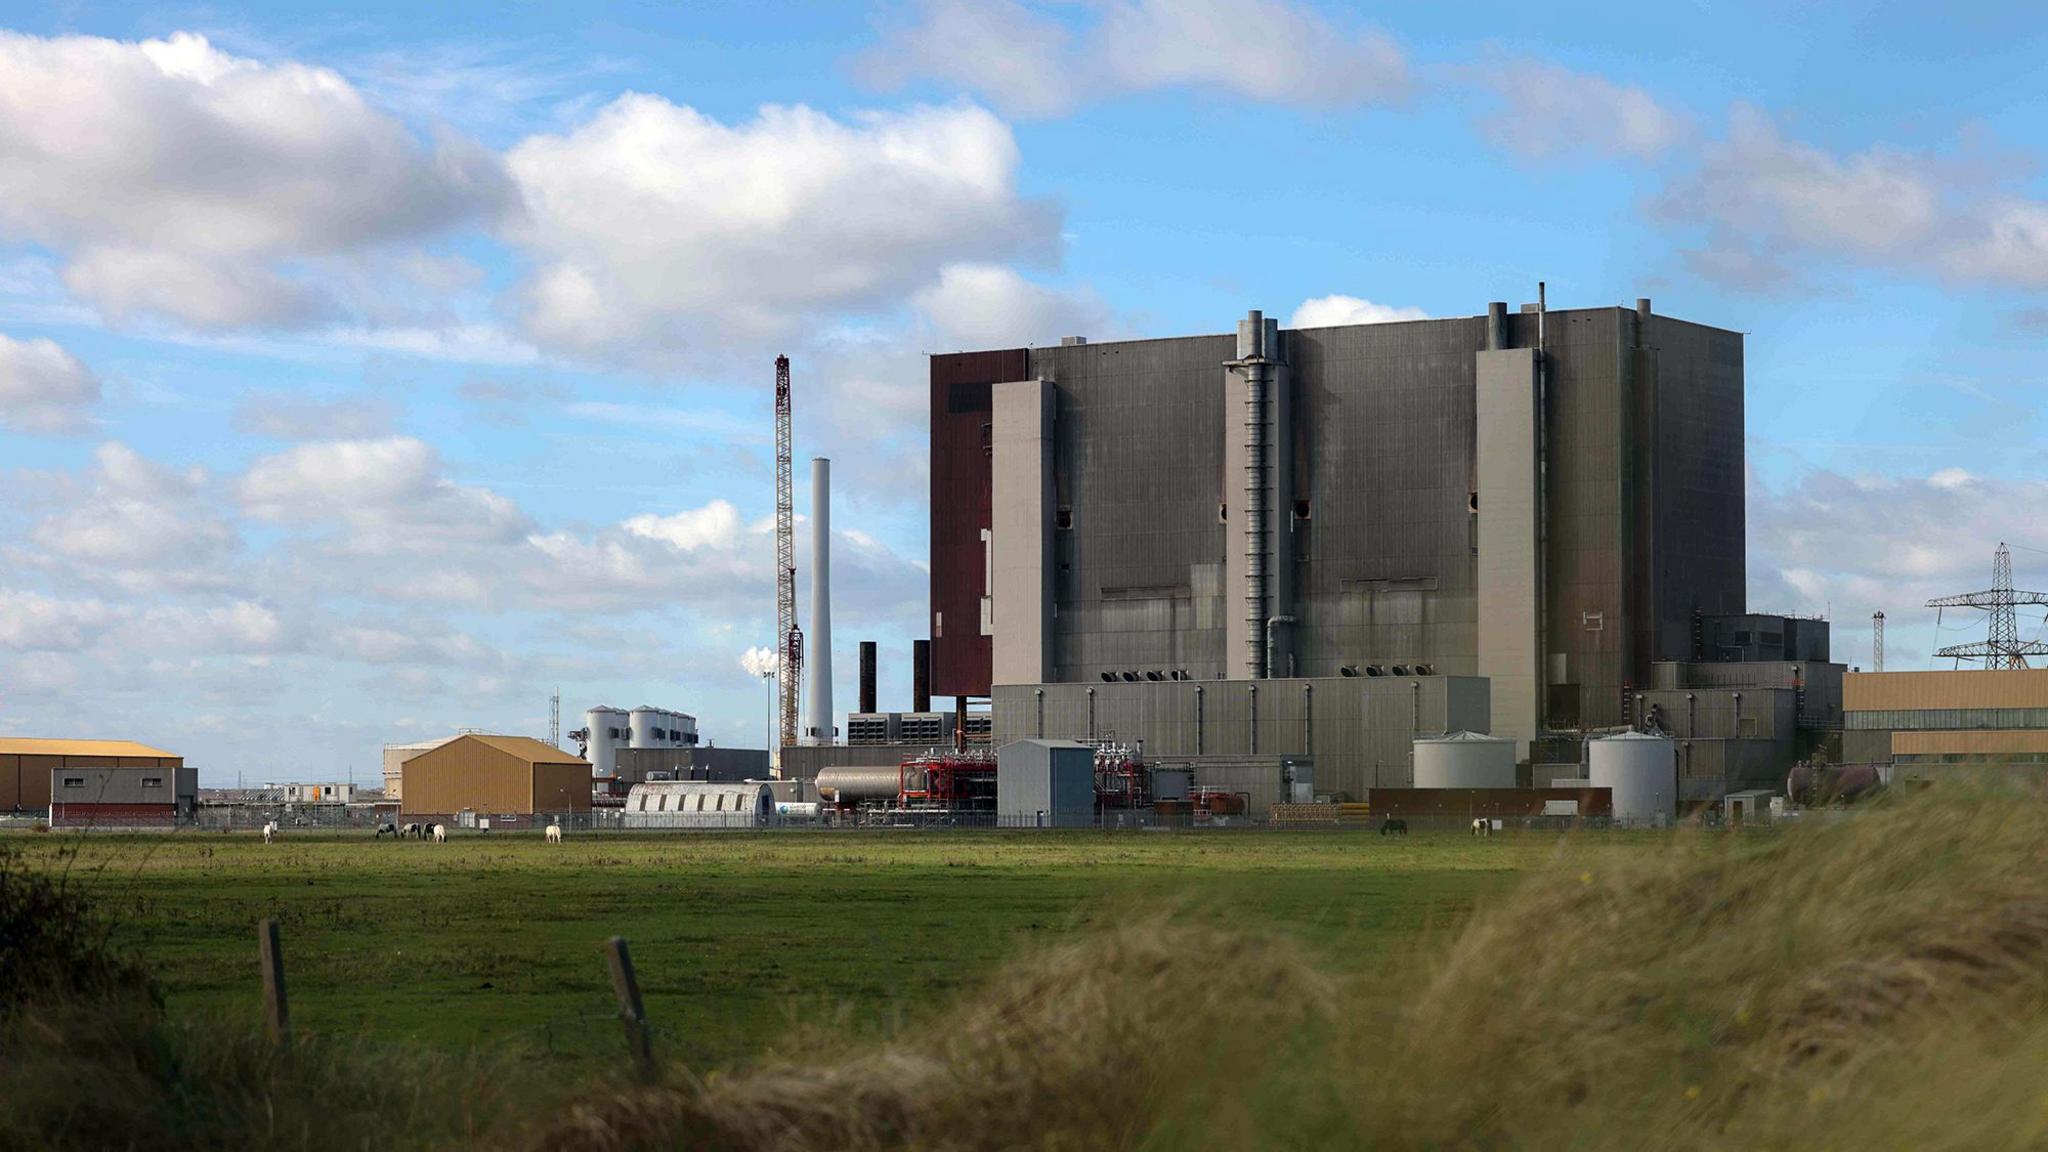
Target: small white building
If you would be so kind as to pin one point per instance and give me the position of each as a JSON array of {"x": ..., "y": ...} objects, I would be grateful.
[{"x": 318, "y": 793}]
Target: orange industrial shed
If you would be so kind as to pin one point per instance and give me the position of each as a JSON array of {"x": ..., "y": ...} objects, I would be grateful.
[
  {"x": 26, "y": 764},
  {"x": 495, "y": 776}
]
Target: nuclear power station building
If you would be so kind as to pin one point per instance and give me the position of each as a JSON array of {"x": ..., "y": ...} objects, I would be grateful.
[{"x": 1321, "y": 543}]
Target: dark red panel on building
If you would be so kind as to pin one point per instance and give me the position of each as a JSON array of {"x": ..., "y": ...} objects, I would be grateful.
[{"x": 963, "y": 660}]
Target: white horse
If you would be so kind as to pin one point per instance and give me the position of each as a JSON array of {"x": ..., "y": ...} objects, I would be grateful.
[
  {"x": 554, "y": 833},
  {"x": 1482, "y": 827},
  {"x": 269, "y": 831},
  {"x": 440, "y": 833}
]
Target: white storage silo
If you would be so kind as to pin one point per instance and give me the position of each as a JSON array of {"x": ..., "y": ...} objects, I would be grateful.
[
  {"x": 1641, "y": 773},
  {"x": 610, "y": 729},
  {"x": 649, "y": 727},
  {"x": 1465, "y": 760}
]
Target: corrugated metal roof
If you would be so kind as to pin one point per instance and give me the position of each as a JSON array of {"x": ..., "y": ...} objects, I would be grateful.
[
  {"x": 527, "y": 749},
  {"x": 30, "y": 746}
]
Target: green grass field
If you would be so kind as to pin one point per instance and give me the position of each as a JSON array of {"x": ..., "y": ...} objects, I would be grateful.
[{"x": 494, "y": 943}]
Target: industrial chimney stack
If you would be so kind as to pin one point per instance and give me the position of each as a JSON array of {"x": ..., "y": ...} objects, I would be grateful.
[
  {"x": 920, "y": 675},
  {"x": 819, "y": 726},
  {"x": 867, "y": 676}
]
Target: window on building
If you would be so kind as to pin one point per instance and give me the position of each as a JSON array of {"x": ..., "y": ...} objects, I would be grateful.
[
  {"x": 152, "y": 781},
  {"x": 74, "y": 781}
]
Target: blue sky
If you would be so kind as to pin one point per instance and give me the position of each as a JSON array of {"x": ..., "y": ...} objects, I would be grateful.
[{"x": 368, "y": 373}]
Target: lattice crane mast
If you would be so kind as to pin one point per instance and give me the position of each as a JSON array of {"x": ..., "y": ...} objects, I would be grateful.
[{"x": 789, "y": 652}]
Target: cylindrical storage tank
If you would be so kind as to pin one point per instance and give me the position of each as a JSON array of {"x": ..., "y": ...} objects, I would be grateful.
[
  {"x": 1640, "y": 772},
  {"x": 1465, "y": 760},
  {"x": 843, "y": 785},
  {"x": 645, "y": 724},
  {"x": 603, "y": 722}
]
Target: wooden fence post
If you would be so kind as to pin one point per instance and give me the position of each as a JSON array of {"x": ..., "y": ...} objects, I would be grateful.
[
  {"x": 277, "y": 1015},
  {"x": 639, "y": 1040}
]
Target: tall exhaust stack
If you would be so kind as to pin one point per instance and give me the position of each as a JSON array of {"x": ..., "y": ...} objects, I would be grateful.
[
  {"x": 920, "y": 675},
  {"x": 867, "y": 676},
  {"x": 819, "y": 725}
]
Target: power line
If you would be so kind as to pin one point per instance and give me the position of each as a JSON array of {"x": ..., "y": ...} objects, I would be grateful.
[{"x": 2003, "y": 648}]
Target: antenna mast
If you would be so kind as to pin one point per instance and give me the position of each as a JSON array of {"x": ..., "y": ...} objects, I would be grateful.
[{"x": 789, "y": 656}]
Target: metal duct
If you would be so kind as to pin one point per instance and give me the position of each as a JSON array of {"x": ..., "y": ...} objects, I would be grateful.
[
  {"x": 1497, "y": 326},
  {"x": 1258, "y": 379},
  {"x": 920, "y": 675},
  {"x": 819, "y": 724},
  {"x": 844, "y": 785},
  {"x": 867, "y": 676}
]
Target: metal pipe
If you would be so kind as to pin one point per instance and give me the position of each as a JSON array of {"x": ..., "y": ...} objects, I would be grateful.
[
  {"x": 1270, "y": 621},
  {"x": 1253, "y": 360},
  {"x": 1542, "y": 509},
  {"x": 820, "y": 701}
]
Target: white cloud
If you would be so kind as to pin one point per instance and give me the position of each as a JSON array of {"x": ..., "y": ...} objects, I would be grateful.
[
  {"x": 1909, "y": 537},
  {"x": 30, "y": 621},
  {"x": 1762, "y": 197},
  {"x": 716, "y": 525},
  {"x": 182, "y": 181},
  {"x": 1549, "y": 110},
  {"x": 391, "y": 494},
  {"x": 239, "y": 626},
  {"x": 654, "y": 227},
  {"x": 141, "y": 527},
  {"x": 43, "y": 388},
  {"x": 990, "y": 306},
  {"x": 388, "y": 644},
  {"x": 288, "y": 417},
  {"x": 1332, "y": 311},
  {"x": 1030, "y": 63}
]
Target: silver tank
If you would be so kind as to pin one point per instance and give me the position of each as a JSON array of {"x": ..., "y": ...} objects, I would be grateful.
[
  {"x": 842, "y": 785},
  {"x": 1641, "y": 773},
  {"x": 1465, "y": 760}
]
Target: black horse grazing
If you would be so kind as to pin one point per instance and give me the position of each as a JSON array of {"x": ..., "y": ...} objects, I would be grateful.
[
  {"x": 386, "y": 829},
  {"x": 1393, "y": 827}
]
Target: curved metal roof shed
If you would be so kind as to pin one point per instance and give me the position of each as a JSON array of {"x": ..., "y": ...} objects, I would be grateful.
[{"x": 698, "y": 804}]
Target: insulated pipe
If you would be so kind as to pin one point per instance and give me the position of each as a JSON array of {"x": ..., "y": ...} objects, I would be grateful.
[
  {"x": 1258, "y": 374},
  {"x": 820, "y": 701},
  {"x": 867, "y": 676},
  {"x": 1270, "y": 621}
]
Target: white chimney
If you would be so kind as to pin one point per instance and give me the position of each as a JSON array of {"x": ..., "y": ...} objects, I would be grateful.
[{"x": 818, "y": 725}]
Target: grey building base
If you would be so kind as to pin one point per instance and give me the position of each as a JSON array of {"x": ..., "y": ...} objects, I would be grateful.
[{"x": 1358, "y": 731}]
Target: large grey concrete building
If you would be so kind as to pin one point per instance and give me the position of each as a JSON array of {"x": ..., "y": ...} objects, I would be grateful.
[{"x": 1550, "y": 500}]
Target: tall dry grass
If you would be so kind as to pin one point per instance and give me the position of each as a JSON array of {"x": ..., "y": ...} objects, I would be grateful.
[{"x": 1876, "y": 981}]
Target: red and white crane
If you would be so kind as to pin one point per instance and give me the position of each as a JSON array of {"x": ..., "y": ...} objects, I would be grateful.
[{"x": 789, "y": 657}]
